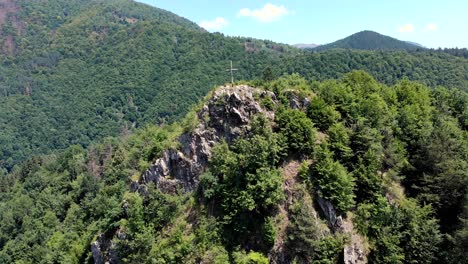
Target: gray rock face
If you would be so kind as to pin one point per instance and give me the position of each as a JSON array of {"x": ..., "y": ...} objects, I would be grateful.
[
  {"x": 296, "y": 101},
  {"x": 226, "y": 116},
  {"x": 98, "y": 255},
  {"x": 104, "y": 251},
  {"x": 329, "y": 211},
  {"x": 354, "y": 252}
]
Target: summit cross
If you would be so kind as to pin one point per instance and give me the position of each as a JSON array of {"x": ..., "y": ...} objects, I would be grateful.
[{"x": 232, "y": 70}]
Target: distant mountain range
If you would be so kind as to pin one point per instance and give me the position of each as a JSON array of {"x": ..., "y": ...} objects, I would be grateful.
[
  {"x": 306, "y": 46},
  {"x": 365, "y": 40},
  {"x": 416, "y": 44}
]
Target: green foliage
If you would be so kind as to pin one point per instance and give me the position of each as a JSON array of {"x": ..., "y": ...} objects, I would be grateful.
[
  {"x": 303, "y": 233},
  {"x": 339, "y": 142},
  {"x": 293, "y": 81},
  {"x": 369, "y": 181},
  {"x": 427, "y": 67},
  {"x": 321, "y": 114},
  {"x": 414, "y": 116},
  {"x": 440, "y": 170},
  {"x": 244, "y": 184},
  {"x": 216, "y": 255},
  {"x": 247, "y": 185},
  {"x": 252, "y": 257},
  {"x": 268, "y": 74},
  {"x": 327, "y": 250},
  {"x": 331, "y": 180},
  {"x": 190, "y": 122},
  {"x": 269, "y": 232},
  {"x": 297, "y": 129},
  {"x": 405, "y": 233},
  {"x": 86, "y": 70},
  {"x": 368, "y": 40},
  {"x": 53, "y": 207},
  {"x": 62, "y": 203},
  {"x": 307, "y": 239}
]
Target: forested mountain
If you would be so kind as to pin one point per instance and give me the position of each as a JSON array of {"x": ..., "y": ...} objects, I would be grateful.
[
  {"x": 431, "y": 67},
  {"x": 282, "y": 168},
  {"x": 72, "y": 72},
  {"x": 455, "y": 52},
  {"x": 329, "y": 167},
  {"x": 75, "y": 71},
  {"x": 369, "y": 40},
  {"x": 280, "y": 171}
]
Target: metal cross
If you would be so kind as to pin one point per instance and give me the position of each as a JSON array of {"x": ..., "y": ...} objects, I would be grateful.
[{"x": 232, "y": 70}]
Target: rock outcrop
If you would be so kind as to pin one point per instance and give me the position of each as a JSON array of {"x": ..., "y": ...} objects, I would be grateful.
[
  {"x": 104, "y": 249},
  {"x": 226, "y": 116},
  {"x": 296, "y": 101},
  {"x": 355, "y": 251}
]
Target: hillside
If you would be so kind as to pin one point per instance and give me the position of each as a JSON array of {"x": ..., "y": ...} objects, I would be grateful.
[
  {"x": 430, "y": 67},
  {"x": 275, "y": 171},
  {"x": 75, "y": 72},
  {"x": 368, "y": 40}
]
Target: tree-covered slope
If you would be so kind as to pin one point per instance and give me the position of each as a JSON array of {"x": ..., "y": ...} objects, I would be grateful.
[
  {"x": 83, "y": 70},
  {"x": 432, "y": 68},
  {"x": 368, "y": 40},
  {"x": 291, "y": 171},
  {"x": 72, "y": 72}
]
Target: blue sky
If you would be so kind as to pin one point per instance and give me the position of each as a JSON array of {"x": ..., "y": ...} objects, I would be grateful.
[{"x": 431, "y": 23}]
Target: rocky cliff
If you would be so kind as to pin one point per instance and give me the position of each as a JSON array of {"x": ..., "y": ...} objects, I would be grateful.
[{"x": 226, "y": 116}]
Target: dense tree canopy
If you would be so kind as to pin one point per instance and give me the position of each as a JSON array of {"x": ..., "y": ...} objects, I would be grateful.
[
  {"x": 105, "y": 84},
  {"x": 82, "y": 70},
  {"x": 402, "y": 173}
]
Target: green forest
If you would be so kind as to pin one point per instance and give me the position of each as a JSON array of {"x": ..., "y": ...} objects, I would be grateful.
[
  {"x": 391, "y": 159},
  {"x": 369, "y": 40},
  {"x": 121, "y": 142},
  {"x": 80, "y": 71}
]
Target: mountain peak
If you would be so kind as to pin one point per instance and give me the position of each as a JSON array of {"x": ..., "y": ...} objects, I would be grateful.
[{"x": 369, "y": 40}]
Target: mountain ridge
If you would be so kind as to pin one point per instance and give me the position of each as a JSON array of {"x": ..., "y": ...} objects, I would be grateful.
[
  {"x": 263, "y": 171},
  {"x": 368, "y": 40},
  {"x": 111, "y": 66},
  {"x": 306, "y": 46},
  {"x": 111, "y": 61}
]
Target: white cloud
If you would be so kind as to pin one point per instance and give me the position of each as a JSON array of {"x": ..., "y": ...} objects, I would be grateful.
[
  {"x": 408, "y": 28},
  {"x": 216, "y": 24},
  {"x": 431, "y": 27},
  {"x": 268, "y": 13}
]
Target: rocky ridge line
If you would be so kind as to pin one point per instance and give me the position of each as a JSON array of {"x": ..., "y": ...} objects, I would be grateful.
[{"x": 226, "y": 116}]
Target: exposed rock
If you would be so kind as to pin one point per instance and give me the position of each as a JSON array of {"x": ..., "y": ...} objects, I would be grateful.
[
  {"x": 98, "y": 255},
  {"x": 296, "y": 101},
  {"x": 293, "y": 191},
  {"x": 355, "y": 252},
  {"x": 104, "y": 249},
  {"x": 9, "y": 10},
  {"x": 330, "y": 213},
  {"x": 226, "y": 116}
]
